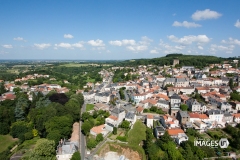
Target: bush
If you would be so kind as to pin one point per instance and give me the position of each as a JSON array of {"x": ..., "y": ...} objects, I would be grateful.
[
  {"x": 123, "y": 139},
  {"x": 28, "y": 135},
  {"x": 4, "y": 128},
  {"x": 114, "y": 130},
  {"x": 91, "y": 143},
  {"x": 76, "y": 156}
]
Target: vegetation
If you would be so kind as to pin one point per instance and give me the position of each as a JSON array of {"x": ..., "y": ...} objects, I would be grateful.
[
  {"x": 76, "y": 156},
  {"x": 137, "y": 133},
  {"x": 6, "y": 141},
  {"x": 184, "y": 107},
  {"x": 89, "y": 107},
  {"x": 121, "y": 93},
  {"x": 153, "y": 109}
]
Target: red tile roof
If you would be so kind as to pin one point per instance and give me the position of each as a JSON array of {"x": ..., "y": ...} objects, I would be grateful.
[
  {"x": 149, "y": 116},
  {"x": 113, "y": 117},
  {"x": 98, "y": 129},
  {"x": 174, "y": 131}
]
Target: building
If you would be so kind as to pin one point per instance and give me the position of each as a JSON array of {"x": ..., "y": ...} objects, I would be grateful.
[
  {"x": 149, "y": 120},
  {"x": 65, "y": 149},
  {"x": 99, "y": 130},
  {"x": 183, "y": 117},
  {"x": 175, "y": 102},
  {"x": 175, "y": 62},
  {"x": 131, "y": 117},
  {"x": 159, "y": 131},
  {"x": 116, "y": 117},
  {"x": 178, "y": 135}
]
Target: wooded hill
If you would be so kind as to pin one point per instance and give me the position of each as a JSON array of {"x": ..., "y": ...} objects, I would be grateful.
[{"x": 184, "y": 60}]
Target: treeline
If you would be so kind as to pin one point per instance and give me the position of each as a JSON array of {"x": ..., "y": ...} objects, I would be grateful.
[
  {"x": 199, "y": 61},
  {"x": 24, "y": 119}
]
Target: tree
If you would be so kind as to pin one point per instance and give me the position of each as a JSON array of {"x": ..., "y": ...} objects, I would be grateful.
[
  {"x": 63, "y": 124},
  {"x": 115, "y": 130},
  {"x": 76, "y": 156},
  {"x": 44, "y": 149},
  {"x": 99, "y": 137},
  {"x": 21, "y": 108},
  {"x": 2, "y": 88},
  {"x": 55, "y": 136},
  {"x": 19, "y": 128},
  {"x": 85, "y": 115},
  {"x": 125, "y": 124},
  {"x": 86, "y": 127},
  {"x": 42, "y": 102},
  {"x": 91, "y": 143},
  {"x": 184, "y": 107},
  {"x": 4, "y": 128},
  {"x": 231, "y": 83}
]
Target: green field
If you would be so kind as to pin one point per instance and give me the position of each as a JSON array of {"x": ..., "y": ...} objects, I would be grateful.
[
  {"x": 89, "y": 107},
  {"x": 83, "y": 64},
  {"x": 137, "y": 134},
  {"x": 5, "y": 141}
]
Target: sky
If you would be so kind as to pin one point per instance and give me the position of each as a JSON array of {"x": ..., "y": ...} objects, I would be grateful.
[{"x": 118, "y": 29}]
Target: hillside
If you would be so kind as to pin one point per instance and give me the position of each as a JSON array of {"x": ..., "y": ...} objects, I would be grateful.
[{"x": 184, "y": 60}]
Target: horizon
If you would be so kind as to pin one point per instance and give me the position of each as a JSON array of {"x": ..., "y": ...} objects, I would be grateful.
[{"x": 102, "y": 30}]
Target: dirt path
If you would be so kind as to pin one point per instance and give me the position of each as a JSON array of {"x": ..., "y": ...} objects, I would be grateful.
[{"x": 75, "y": 133}]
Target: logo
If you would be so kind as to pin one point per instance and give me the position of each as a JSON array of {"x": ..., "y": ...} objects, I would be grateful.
[{"x": 222, "y": 143}]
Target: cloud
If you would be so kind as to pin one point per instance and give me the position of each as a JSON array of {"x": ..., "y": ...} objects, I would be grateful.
[
  {"x": 64, "y": 45},
  {"x": 68, "y": 36},
  {"x": 7, "y": 46},
  {"x": 42, "y": 45},
  {"x": 186, "y": 24},
  {"x": 154, "y": 51},
  {"x": 116, "y": 43},
  {"x": 169, "y": 48},
  {"x": 200, "y": 47},
  {"x": 205, "y": 14},
  {"x": 137, "y": 48},
  {"x": 237, "y": 24},
  {"x": 227, "y": 49},
  {"x": 18, "y": 39},
  {"x": 78, "y": 45},
  {"x": 96, "y": 43},
  {"x": 128, "y": 42},
  {"x": 231, "y": 41},
  {"x": 187, "y": 40}
]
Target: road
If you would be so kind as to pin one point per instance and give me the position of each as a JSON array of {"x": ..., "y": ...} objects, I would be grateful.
[
  {"x": 82, "y": 137},
  {"x": 126, "y": 95}
]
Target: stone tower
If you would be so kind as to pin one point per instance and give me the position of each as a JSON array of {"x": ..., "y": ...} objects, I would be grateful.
[{"x": 175, "y": 61}]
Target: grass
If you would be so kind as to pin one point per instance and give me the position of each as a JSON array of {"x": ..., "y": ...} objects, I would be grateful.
[
  {"x": 89, "y": 107},
  {"x": 120, "y": 132},
  {"x": 6, "y": 141},
  {"x": 83, "y": 64},
  {"x": 90, "y": 80},
  {"x": 137, "y": 134}
]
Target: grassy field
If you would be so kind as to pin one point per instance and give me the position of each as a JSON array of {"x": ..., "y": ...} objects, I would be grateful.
[
  {"x": 89, "y": 107},
  {"x": 5, "y": 141},
  {"x": 137, "y": 134},
  {"x": 83, "y": 64}
]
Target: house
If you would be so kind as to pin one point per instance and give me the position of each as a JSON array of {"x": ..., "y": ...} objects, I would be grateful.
[
  {"x": 198, "y": 117},
  {"x": 103, "y": 97},
  {"x": 175, "y": 102},
  {"x": 149, "y": 120},
  {"x": 215, "y": 117},
  {"x": 139, "y": 97},
  {"x": 101, "y": 106},
  {"x": 159, "y": 131},
  {"x": 178, "y": 135},
  {"x": 225, "y": 106},
  {"x": 131, "y": 117},
  {"x": 236, "y": 105},
  {"x": 116, "y": 117},
  {"x": 163, "y": 104},
  {"x": 139, "y": 110},
  {"x": 7, "y": 96},
  {"x": 236, "y": 117},
  {"x": 99, "y": 130},
  {"x": 182, "y": 117},
  {"x": 200, "y": 126},
  {"x": 66, "y": 149},
  {"x": 227, "y": 117}
]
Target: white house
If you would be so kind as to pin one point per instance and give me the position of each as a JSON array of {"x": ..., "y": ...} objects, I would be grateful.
[
  {"x": 236, "y": 118},
  {"x": 139, "y": 97},
  {"x": 99, "y": 129},
  {"x": 131, "y": 117},
  {"x": 116, "y": 117},
  {"x": 150, "y": 120}
]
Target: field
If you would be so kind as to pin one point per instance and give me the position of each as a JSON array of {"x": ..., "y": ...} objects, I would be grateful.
[
  {"x": 5, "y": 141},
  {"x": 83, "y": 64},
  {"x": 89, "y": 107},
  {"x": 137, "y": 134}
]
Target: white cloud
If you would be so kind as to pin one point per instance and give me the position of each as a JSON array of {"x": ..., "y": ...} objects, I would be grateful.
[
  {"x": 64, "y": 45},
  {"x": 231, "y": 41},
  {"x": 18, "y": 39},
  {"x": 200, "y": 47},
  {"x": 42, "y": 45},
  {"x": 128, "y": 42},
  {"x": 116, "y": 43},
  {"x": 187, "y": 40},
  {"x": 186, "y": 24},
  {"x": 237, "y": 24},
  {"x": 137, "y": 48},
  {"x": 78, "y": 45},
  {"x": 68, "y": 36},
  {"x": 154, "y": 51},
  {"x": 7, "y": 46},
  {"x": 96, "y": 43},
  {"x": 205, "y": 14},
  {"x": 227, "y": 49}
]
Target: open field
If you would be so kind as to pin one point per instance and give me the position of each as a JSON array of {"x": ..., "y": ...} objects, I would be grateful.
[
  {"x": 89, "y": 107},
  {"x": 5, "y": 141},
  {"x": 83, "y": 64},
  {"x": 20, "y": 66},
  {"x": 137, "y": 134}
]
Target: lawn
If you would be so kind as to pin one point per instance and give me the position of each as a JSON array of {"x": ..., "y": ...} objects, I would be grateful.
[
  {"x": 5, "y": 141},
  {"x": 137, "y": 134},
  {"x": 215, "y": 134},
  {"x": 120, "y": 132},
  {"x": 89, "y": 107}
]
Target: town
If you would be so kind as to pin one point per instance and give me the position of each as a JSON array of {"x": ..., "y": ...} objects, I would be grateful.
[{"x": 130, "y": 112}]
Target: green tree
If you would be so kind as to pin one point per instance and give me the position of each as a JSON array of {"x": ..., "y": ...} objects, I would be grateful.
[
  {"x": 2, "y": 88},
  {"x": 43, "y": 150},
  {"x": 55, "y": 136},
  {"x": 21, "y": 108},
  {"x": 99, "y": 137},
  {"x": 86, "y": 127},
  {"x": 125, "y": 124},
  {"x": 231, "y": 83},
  {"x": 85, "y": 115},
  {"x": 42, "y": 102},
  {"x": 91, "y": 143},
  {"x": 184, "y": 107},
  {"x": 19, "y": 128},
  {"x": 63, "y": 124},
  {"x": 4, "y": 128},
  {"x": 76, "y": 156},
  {"x": 115, "y": 130}
]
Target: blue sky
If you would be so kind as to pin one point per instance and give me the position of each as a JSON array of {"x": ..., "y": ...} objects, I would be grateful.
[{"x": 117, "y": 29}]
